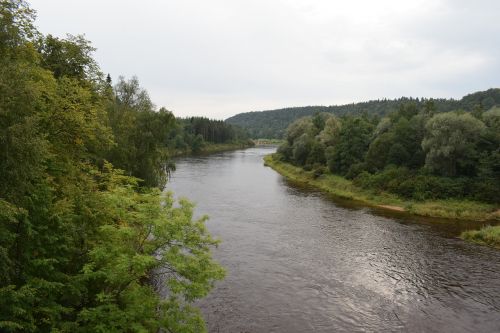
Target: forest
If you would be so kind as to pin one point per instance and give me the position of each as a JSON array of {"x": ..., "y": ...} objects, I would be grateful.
[
  {"x": 273, "y": 123},
  {"x": 414, "y": 153},
  {"x": 191, "y": 135},
  {"x": 86, "y": 233}
]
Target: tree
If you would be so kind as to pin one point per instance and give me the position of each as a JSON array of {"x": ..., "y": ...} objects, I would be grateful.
[
  {"x": 409, "y": 134},
  {"x": 330, "y": 133},
  {"x": 319, "y": 121},
  {"x": 129, "y": 94},
  {"x": 377, "y": 154},
  {"x": 140, "y": 134},
  {"x": 301, "y": 149},
  {"x": 398, "y": 155},
  {"x": 298, "y": 128},
  {"x": 70, "y": 57},
  {"x": 80, "y": 242},
  {"x": 492, "y": 119},
  {"x": 354, "y": 140},
  {"x": 16, "y": 20},
  {"x": 487, "y": 186},
  {"x": 450, "y": 142},
  {"x": 144, "y": 237}
]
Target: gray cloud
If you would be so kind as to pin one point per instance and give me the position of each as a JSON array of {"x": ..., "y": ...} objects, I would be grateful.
[{"x": 220, "y": 57}]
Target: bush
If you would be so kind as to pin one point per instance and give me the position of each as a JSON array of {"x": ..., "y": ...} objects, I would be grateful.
[
  {"x": 486, "y": 189},
  {"x": 355, "y": 170},
  {"x": 285, "y": 151},
  {"x": 406, "y": 183},
  {"x": 387, "y": 180},
  {"x": 489, "y": 235},
  {"x": 319, "y": 170},
  {"x": 307, "y": 167},
  {"x": 363, "y": 180}
]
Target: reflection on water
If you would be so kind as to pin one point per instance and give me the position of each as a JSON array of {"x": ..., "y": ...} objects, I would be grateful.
[{"x": 299, "y": 262}]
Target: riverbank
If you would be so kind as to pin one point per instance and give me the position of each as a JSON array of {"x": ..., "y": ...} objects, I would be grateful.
[
  {"x": 268, "y": 142},
  {"x": 488, "y": 235},
  {"x": 212, "y": 148},
  {"x": 345, "y": 189}
]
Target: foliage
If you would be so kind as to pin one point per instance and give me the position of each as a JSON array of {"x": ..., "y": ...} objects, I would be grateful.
[
  {"x": 488, "y": 235},
  {"x": 140, "y": 134},
  {"x": 353, "y": 142},
  {"x": 413, "y": 153},
  {"x": 450, "y": 143},
  {"x": 343, "y": 188},
  {"x": 194, "y": 133},
  {"x": 70, "y": 57},
  {"x": 143, "y": 238},
  {"x": 81, "y": 241},
  {"x": 273, "y": 123}
]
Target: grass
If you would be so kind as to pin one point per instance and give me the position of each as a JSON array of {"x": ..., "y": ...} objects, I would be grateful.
[
  {"x": 219, "y": 147},
  {"x": 489, "y": 235},
  {"x": 457, "y": 209},
  {"x": 344, "y": 188},
  {"x": 211, "y": 148},
  {"x": 274, "y": 142}
]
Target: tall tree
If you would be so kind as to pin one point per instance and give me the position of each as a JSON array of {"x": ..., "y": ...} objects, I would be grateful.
[{"x": 450, "y": 141}]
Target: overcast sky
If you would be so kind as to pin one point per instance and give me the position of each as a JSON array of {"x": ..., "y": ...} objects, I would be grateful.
[{"x": 221, "y": 57}]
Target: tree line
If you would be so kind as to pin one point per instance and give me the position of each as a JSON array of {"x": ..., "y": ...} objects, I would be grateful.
[
  {"x": 84, "y": 228},
  {"x": 193, "y": 133},
  {"x": 414, "y": 152},
  {"x": 273, "y": 124},
  {"x": 146, "y": 139}
]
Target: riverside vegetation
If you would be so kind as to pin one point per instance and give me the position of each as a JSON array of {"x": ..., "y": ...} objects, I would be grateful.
[
  {"x": 84, "y": 226},
  {"x": 273, "y": 123},
  {"x": 414, "y": 159}
]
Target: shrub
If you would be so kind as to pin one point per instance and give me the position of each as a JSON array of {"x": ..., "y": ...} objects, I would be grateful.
[
  {"x": 319, "y": 170},
  {"x": 405, "y": 183},
  {"x": 355, "y": 170},
  {"x": 307, "y": 167},
  {"x": 489, "y": 235}
]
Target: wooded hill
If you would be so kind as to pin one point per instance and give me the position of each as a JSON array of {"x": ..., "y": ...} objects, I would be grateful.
[{"x": 273, "y": 123}]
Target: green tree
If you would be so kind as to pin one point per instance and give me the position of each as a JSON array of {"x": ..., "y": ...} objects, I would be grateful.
[
  {"x": 80, "y": 242},
  {"x": 398, "y": 155},
  {"x": 450, "y": 142},
  {"x": 354, "y": 140},
  {"x": 377, "y": 154},
  {"x": 330, "y": 133},
  {"x": 70, "y": 57},
  {"x": 143, "y": 237},
  {"x": 140, "y": 134},
  {"x": 298, "y": 128},
  {"x": 301, "y": 149}
]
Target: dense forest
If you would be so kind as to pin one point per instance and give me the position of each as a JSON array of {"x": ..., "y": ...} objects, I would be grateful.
[
  {"x": 414, "y": 152},
  {"x": 272, "y": 124},
  {"x": 84, "y": 227},
  {"x": 193, "y": 133}
]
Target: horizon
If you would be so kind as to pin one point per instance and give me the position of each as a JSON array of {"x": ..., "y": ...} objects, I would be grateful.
[
  {"x": 368, "y": 101},
  {"x": 223, "y": 58}
]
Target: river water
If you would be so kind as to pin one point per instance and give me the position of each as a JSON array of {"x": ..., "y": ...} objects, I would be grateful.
[{"x": 299, "y": 261}]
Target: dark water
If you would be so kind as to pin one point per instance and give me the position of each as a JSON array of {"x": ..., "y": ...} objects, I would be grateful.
[{"x": 299, "y": 262}]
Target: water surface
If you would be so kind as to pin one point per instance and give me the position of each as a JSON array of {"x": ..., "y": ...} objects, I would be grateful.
[{"x": 299, "y": 261}]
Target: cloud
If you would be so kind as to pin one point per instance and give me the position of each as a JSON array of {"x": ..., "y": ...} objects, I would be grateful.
[{"x": 220, "y": 57}]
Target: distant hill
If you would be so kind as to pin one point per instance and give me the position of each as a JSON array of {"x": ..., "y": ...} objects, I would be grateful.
[{"x": 273, "y": 123}]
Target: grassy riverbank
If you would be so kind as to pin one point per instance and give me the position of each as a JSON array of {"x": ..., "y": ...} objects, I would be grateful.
[
  {"x": 271, "y": 142},
  {"x": 212, "y": 148},
  {"x": 344, "y": 188},
  {"x": 489, "y": 235}
]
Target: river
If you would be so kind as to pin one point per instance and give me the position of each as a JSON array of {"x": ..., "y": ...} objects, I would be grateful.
[{"x": 299, "y": 261}]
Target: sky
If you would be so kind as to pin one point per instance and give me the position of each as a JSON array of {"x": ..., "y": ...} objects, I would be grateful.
[{"x": 218, "y": 58}]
